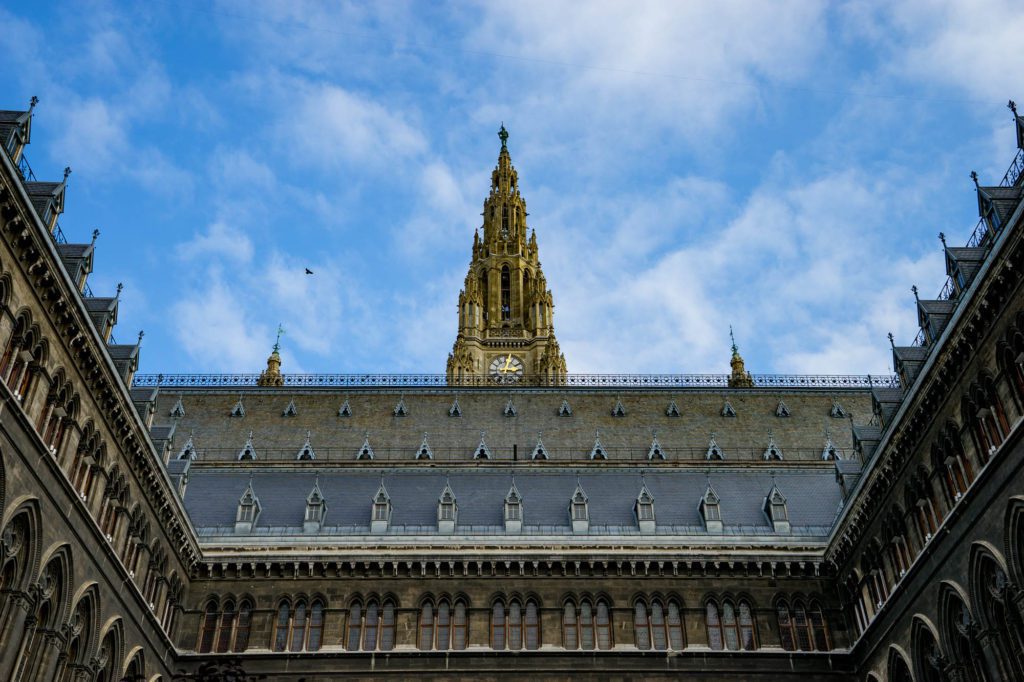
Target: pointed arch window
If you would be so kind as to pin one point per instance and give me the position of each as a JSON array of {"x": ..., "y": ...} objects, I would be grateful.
[
  {"x": 298, "y": 626},
  {"x": 208, "y": 633},
  {"x": 371, "y": 627},
  {"x": 498, "y": 625},
  {"x": 459, "y": 623},
  {"x": 316, "y": 626},
  {"x": 641, "y": 626},
  {"x": 426, "y": 637},
  {"x": 531, "y": 626},
  {"x": 657, "y": 627},
  {"x": 355, "y": 626},
  {"x": 227, "y": 625},
  {"x": 570, "y": 633},
  {"x": 371, "y": 621},
  {"x": 281, "y": 627},
  {"x": 387, "y": 626},
  {"x": 243, "y": 626}
]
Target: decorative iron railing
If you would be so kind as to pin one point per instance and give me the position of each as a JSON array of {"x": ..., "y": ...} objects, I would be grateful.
[
  {"x": 58, "y": 234},
  {"x": 624, "y": 381},
  {"x": 920, "y": 339},
  {"x": 25, "y": 169},
  {"x": 948, "y": 290},
  {"x": 979, "y": 235},
  {"x": 1013, "y": 173}
]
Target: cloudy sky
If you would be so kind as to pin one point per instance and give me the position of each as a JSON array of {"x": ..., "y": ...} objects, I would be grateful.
[{"x": 783, "y": 167}]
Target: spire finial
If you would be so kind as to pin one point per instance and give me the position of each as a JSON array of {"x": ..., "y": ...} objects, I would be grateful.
[
  {"x": 141, "y": 334},
  {"x": 732, "y": 337},
  {"x": 120, "y": 288},
  {"x": 974, "y": 176},
  {"x": 32, "y": 103},
  {"x": 1012, "y": 106},
  {"x": 95, "y": 235},
  {"x": 914, "y": 289},
  {"x": 892, "y": 341},
  {"x": 942, "y": 238},
  {"x": 277, "y": 342},
  {"x": 503, "y": 135},
  {"x": 67, "y": 172}
]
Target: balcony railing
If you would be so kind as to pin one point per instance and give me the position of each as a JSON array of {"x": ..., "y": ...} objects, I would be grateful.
[
  {"x": 621, "y": 381},
  {"x": 979, "y": 236},
  {"x": 25, "y": 169},
  {"x": 1013, "y": 173}
]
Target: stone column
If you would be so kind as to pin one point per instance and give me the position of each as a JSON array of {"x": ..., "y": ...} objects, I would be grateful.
[
  {"x": 13, "y": 632},
  {"x": 47, "y": 657},
  {"x": 990, "y": 655}
]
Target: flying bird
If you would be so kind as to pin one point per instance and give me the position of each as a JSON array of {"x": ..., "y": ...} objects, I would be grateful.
[{"x": 308, "y": 271}]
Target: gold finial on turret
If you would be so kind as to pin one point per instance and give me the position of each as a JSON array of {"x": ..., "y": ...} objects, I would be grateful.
[
  {"x": 272, "y": 376},
  {"x": 740, "y": 377}
]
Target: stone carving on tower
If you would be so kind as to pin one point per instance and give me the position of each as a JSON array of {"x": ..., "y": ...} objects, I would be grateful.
[{"x": 506, "y": 333}]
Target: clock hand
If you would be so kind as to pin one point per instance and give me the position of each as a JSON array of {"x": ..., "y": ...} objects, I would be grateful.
[{"x": 508, "y": 365}]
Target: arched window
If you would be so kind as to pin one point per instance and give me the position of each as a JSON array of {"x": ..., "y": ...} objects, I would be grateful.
[
  {"x": 570, "y": 634},
  {"x": 675, "y": 626},
  {"x": 298, "y": 627},
  {"x": 504, "y": 221},
  {"x": 787, "y": 632},
  {"x": 459, "y": 623},
  {"x": 1000, "y": 616},
  {"x": 387, "y": 626},
  {"x": 355, "y": 626},
  {"x": 227, "y": 627},
  {"x": 714, "y": 625},
  {"x": 730, "y": 627},
  {"x": 281, "y": 632},
  {"x": 426, "y": 638},
  {"x": 641, "y": 626},
  {"x": 515, "y": 626},
  {"x": 898, "y": 669},
  {"x": 498, "y": 626},
  {"x": 604, "y": 626},
  {"x": 108, "y": 656},
  {"x": 819, "y": 627},
  {"x": 506, "y": 293},
  {"x": 208, "y": 632},
  {"x": 316, "y": 626},
  {"x": 532, "y": 626},
  {"x": 800, "y": 626},
  {"x": 244, "y": 624},
  {"x": 586, "y": 620},
  {"x": 371, "y": 621}
]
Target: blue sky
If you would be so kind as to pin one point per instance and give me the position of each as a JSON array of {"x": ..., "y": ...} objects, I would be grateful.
[{"x": 781, "y": 167}]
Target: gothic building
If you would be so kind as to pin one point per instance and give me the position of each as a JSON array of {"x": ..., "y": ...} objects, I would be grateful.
[{"x": 506, "y": 517}]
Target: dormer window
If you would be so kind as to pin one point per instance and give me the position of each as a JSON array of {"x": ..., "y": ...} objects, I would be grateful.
[
  {"x": 711, "y": 510},
  {"x": 776, "y": 511},
  {"x": 447, "y": 511},
  {"x": 380, "y": 515},
  {"x": 539, "y": 451},
  {"x": 579, "y": 512},
  {"x": 189, "y": 450},
  {"x": 830, "y": 452},
  {"x": 316, "y": 509},
  {"x": 644, "y": 510},
  {"x": 597, "y": 452},
  {"x": 513, "y": 510},
  {"x": 248, "y": 510}
]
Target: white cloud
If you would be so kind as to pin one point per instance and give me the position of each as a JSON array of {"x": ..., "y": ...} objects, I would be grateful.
[{"x": 220, "y": 240}]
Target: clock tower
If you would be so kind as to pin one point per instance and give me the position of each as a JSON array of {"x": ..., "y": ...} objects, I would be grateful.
[{"x": 506, "y": 333}]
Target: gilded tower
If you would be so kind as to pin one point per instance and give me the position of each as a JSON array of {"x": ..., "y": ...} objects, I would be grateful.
[{"x": 506, "y": 333}]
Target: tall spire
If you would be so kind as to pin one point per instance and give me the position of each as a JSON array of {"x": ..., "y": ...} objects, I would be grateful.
[{"x": 505, "y": 308}]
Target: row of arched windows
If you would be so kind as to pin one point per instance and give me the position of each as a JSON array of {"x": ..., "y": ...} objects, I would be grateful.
[{"x": 730, "y": 625}]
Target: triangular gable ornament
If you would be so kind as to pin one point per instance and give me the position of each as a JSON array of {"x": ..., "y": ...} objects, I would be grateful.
[
  {"x": 655, "y": 451},
  {"x": 837, "y": 411},
  {"x": 400, "y": 409},
  {"x": 830, "y": 452},
  {"x": 239, "y": 409},
  {"x": 782, "y": 410},
  {"x": 510, "y": 408},
  {"x": 597, "y": 452},
  {"x": 773, "y": 451},
  {"x": 455, "y": 410},
  {"x": 306, "y": 451},
  {"x": 618, "y": 410},
  {"x": 291, "y": 410},
  {"x": 482, "y": 451},
  {"x": 672, "y": 410},
  {"x": 727, "y": 409},
  {"x": 178, "y": 411},
  {"x": 424, "y": 451},
  {"x": 714, "y": 452},
  {"x": 345, "y": 410},
  {"x": 188, "y": 451},
  {"x": 565, "y": 410},
  {"x": 248, "y": 451},
  {"x": 365, "y": 452},
  {"x": 539, "y": 451}
]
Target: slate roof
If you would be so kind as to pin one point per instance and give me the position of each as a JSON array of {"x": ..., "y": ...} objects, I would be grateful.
[
  {"x": 212, "y": 498},
  {"x": 932, "y": 307},
  {"x": 910, "y": 353},
  {"x": 7, "y": 116},
  {"x": 123, "y": 351},
  {"x": 97, "y": 304}
]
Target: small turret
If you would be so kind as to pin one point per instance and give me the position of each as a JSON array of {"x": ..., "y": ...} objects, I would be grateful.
[
  {"x": 740, "y": 377},
  {"x": 272, "y": 376}
]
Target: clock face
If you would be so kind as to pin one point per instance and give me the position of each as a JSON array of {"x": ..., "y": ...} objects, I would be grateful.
[{"x": 506, "y": 369}]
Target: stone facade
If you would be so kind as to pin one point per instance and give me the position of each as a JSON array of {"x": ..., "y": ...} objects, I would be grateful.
[{"x": 735, "y": 527}]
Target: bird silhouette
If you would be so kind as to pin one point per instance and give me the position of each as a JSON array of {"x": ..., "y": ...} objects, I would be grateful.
[{"x": 308, "y": 271}]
